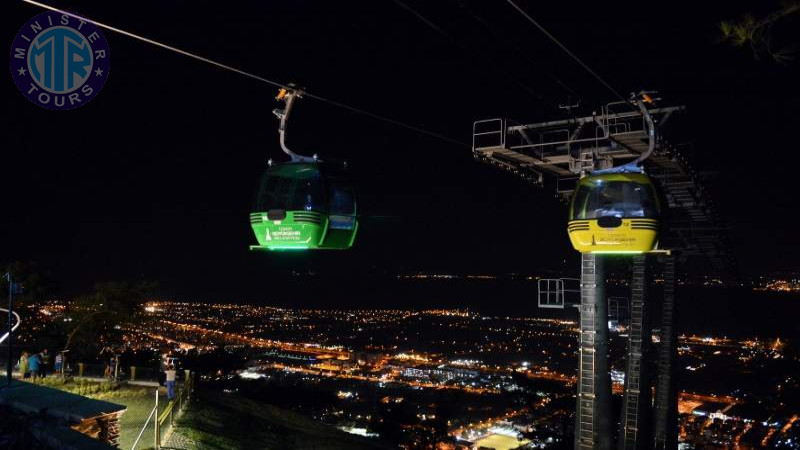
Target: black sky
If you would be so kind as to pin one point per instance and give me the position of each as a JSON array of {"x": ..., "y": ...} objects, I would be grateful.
[{"x": 154, "y": 177}]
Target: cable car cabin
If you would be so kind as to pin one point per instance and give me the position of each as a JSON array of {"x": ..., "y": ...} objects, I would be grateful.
[
  {"x": 614, "y": 213},
  {"x": 303, "y": 205}
]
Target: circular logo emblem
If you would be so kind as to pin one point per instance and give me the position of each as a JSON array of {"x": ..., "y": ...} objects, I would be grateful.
[{"x": 59, "y": 61}]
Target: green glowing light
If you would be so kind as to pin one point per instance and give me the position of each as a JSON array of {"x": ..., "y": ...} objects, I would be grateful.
[
  {"x": 617, "y": 252},
  {"x": 289, "y": 247}
]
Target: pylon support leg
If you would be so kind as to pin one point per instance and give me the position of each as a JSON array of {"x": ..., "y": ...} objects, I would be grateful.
[
  {"x": 666, "y": 403},
  {"x": 593, "y": 412}
]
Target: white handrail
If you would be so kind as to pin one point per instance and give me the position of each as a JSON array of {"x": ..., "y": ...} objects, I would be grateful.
[
  {"x": 16, "y": 325},
  {"x": 146, "y": 422}
]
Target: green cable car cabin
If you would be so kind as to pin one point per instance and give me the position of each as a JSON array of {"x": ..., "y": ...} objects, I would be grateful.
[
  {"x": 305, "y": 205},
  {"x": 614, "y": 212}
]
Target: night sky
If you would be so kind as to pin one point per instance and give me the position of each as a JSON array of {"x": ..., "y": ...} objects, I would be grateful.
[{"x": 153, "y": 179}]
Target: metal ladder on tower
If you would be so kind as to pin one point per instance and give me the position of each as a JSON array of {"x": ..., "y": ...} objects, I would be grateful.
[
  {"x": 636, "y": 398},
  {"x": 585, "y": 434},
  {"x": 593, "y": 427}
]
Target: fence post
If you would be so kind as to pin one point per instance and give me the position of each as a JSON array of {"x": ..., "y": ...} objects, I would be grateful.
[
  {"x": 133, "y": 373},
  {"x": 157, "y": 437},
  {"x": 80, "y": 369}
]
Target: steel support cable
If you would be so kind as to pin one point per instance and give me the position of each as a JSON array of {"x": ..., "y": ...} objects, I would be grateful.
[
  {"x": 473, "y": 53},
  {"x": 566, "y": 50},
  {"x": 518, "y": 50},
  {"x": 249, "y": 74}
]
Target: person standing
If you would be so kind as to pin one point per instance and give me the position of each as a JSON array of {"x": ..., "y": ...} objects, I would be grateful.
[
  {"x": 23, "y": 365},
  {"x": 112, "y": 363},
  {"x": 115, "y": 367},
  {"x": 170, "y": 373},
  {"x": 44, "y": 367},
  {"x": 33, "y": 365},
  {"x": 162, "y": 367},
  {"x": 59, "y": 362}
]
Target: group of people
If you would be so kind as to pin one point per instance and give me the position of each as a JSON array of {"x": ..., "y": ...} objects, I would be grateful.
[{"x": 36, "y": 365}]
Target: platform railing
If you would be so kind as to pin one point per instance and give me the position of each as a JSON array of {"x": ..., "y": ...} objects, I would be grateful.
[
  {"x": 166, "y": 420},
  {"x": 488, "y": 133},
  {"x": 162, "y": 423}
]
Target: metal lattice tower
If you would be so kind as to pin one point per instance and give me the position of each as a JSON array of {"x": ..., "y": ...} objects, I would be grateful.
[
  {"x": 635, "y": 423},
  {"x": 593, "y": 421}
]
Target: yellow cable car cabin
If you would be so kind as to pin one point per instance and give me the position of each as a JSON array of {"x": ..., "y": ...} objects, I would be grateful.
[{"x": 614, "y": 213}]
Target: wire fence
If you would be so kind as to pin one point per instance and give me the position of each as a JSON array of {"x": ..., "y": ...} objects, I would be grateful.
[
  {"x": 120, "y": 373},
  {"x": 96, "y": 371}
]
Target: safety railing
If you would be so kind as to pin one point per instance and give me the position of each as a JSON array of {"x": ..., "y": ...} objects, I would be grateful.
[
  {"x": 161, "y": 423},
  {"x": 489, "y": 133},
  {"x": 558, "y": 293},
  {"x": 119, "y": 373},
  {"x": 147, "y": 423}
]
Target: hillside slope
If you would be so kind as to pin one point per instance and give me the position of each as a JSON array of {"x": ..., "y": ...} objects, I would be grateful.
[{"x": 216, "y": 421}]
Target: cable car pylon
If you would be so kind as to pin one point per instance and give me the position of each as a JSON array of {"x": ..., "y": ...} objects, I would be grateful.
[{"x": 614, "y": 212}]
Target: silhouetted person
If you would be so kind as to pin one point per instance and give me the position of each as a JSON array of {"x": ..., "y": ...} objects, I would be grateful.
[
  {"x": 170, "y": 372},
  {"x": 109, "y": 368},
  {"x": 23, "y": 366},
  {"x": 44, "y": 366},
  {"x": 34, "y": 364}
]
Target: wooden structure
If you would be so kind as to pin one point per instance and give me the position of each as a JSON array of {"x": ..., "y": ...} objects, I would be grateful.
[{"x": 74, "y": 417}]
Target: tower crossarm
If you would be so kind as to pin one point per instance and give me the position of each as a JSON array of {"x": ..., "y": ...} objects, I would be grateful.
[{"x": 560, "y": 151}]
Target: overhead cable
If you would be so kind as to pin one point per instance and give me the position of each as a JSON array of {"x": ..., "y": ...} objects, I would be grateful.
[
  {"x": 249, "y": 74},
  {"x": 566, "y": 50}
]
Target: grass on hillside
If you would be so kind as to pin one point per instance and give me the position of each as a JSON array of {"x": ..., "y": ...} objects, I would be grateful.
[
  {"x": 216, "y": 421},
  {"x": 80, "y": 386}
]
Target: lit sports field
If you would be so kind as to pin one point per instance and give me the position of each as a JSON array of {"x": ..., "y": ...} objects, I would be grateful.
[{"x": 500, "y": 442}]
